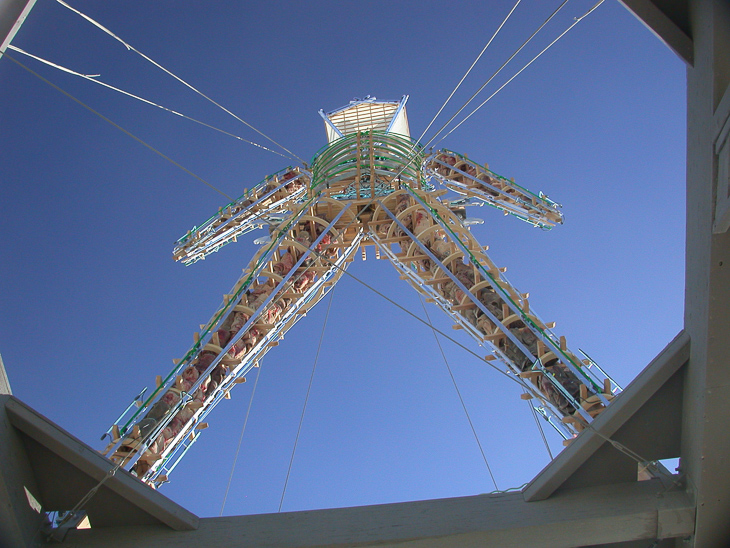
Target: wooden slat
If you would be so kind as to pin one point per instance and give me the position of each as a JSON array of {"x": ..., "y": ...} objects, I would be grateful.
[{"x": 434, "y": 281}]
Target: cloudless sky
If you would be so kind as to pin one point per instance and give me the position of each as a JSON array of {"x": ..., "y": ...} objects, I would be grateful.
[{"x": 92, "y": 306}]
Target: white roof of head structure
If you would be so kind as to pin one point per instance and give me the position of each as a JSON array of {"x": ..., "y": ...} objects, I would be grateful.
[{"x": 365, "y": 114}]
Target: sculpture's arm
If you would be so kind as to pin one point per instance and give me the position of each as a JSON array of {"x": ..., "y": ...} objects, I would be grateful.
[
  {"x": 476, "y": 182},
  {"x": 262, "y": 205}
]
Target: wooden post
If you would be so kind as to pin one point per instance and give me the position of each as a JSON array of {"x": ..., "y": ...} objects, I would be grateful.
[
  {"x": 358, "y": 173},
  {"x": 372, "y": 166}
]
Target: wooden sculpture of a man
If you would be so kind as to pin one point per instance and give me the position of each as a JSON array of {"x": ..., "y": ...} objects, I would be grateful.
[{"x": 372, "y": 185}]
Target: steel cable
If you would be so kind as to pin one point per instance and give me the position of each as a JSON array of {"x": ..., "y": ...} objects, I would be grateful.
[
  {"x": 497, "y": 71},
  {"x": 578, "y": 20},
  {"x": 469, "y": 70},
  {"x": 306, "y": 399},
  {"x": 120, "y": 128},
  {"x": 93, "y": 78},
  {"x": 458, "y": 393},
  {"x": 145, "y": 57},
  {"x": 240, "y": 439}
]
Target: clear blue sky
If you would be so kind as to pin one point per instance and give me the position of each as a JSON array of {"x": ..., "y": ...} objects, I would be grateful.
[{"x": 93, "y": 307}]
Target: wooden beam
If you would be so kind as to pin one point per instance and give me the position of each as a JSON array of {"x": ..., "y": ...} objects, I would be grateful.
[
  {"x": 621, "y": 409},
  {"x": 663, "y": 27},
  {"x": 12, "y": 15},
  {"x": 92, "y": 465},
  {"x": 582, "y": 517},
  {"x": 20, "y": 496},
  {"x": 4, "y": 381}
]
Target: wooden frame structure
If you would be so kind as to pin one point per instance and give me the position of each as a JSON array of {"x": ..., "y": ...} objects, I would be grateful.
[{"x": 369, "y": 187}]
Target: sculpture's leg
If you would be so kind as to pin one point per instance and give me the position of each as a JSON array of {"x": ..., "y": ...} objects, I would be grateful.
[
  {"x": 284, "y": 280},
  {"x": 443, "y": 261}
]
